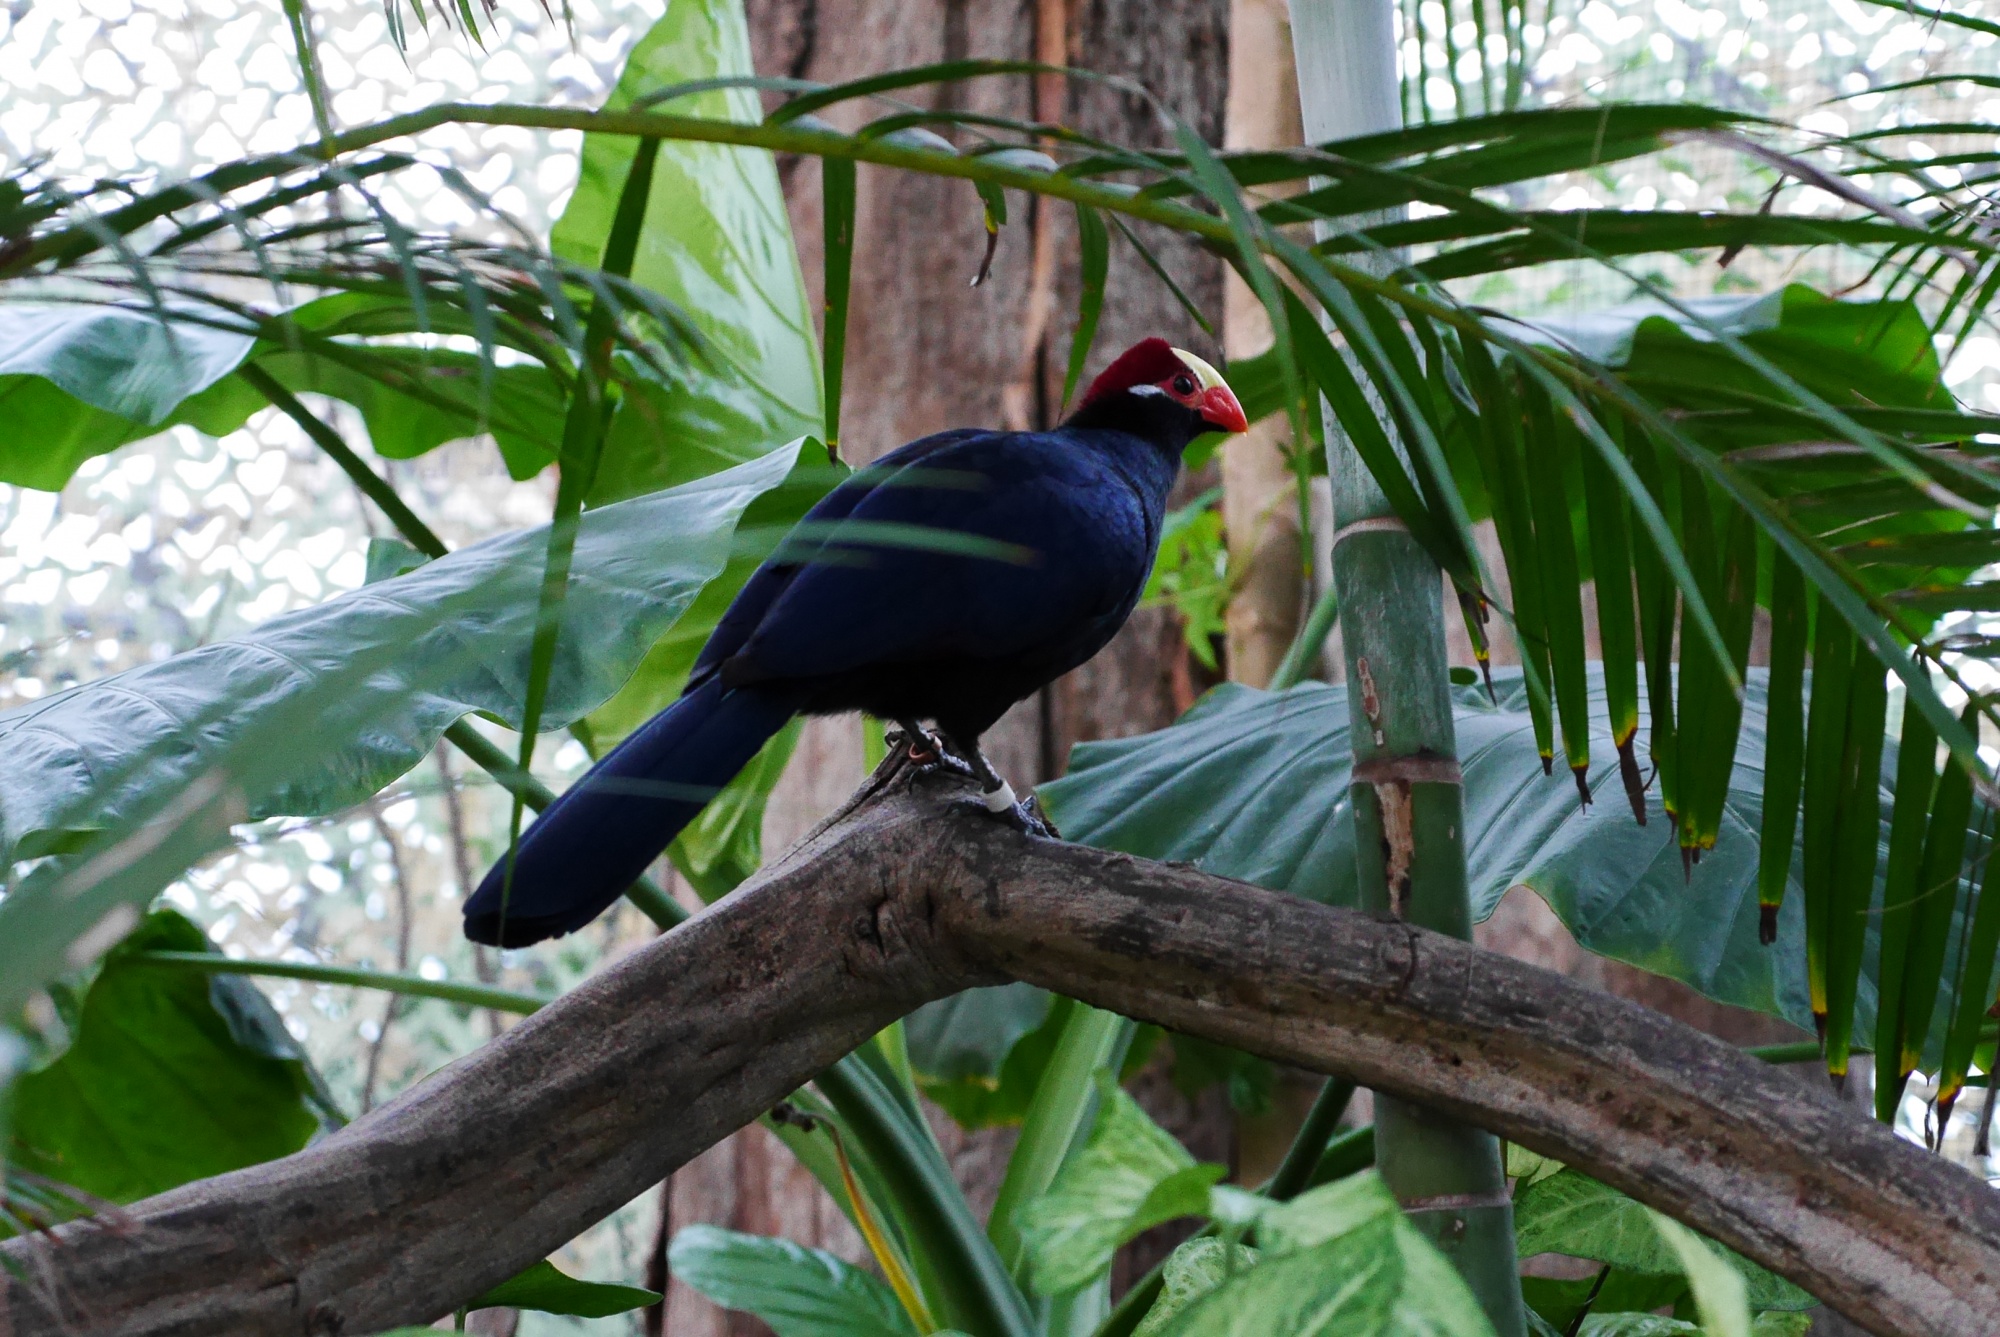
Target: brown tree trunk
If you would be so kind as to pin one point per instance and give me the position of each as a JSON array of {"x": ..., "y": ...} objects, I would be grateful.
[{"x": 926, "y": 351}]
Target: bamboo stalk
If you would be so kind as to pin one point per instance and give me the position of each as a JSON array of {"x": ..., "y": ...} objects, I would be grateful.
[{"x": 1408, "y": 804}]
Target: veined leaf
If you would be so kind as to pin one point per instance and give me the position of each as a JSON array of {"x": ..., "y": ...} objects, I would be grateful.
[
  {"x": 455, "y": 630},
  {"x": 1269, "y": 775},
  {"x": 1339, "y": 1260},
  {"x": 800, "y": 1292},
  {"x": 1570, "y": 1213},
  {"x": 1129, "y": 1177},
  {"x": 171, "y": 1076},
  {"x": 549, "y": 1290},
  {"x": 1191, "y": 1272},
  {"x": 717, "y": 243}
]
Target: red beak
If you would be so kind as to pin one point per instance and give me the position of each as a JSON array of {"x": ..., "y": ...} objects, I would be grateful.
[{"x": 1219, "y": 409}]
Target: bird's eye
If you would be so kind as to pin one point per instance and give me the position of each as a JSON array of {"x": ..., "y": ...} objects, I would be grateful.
[{"x": 1183, "y": 384}]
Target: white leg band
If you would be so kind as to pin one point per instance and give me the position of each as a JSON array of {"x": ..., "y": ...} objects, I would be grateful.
[{"x": 999, "y": 800}]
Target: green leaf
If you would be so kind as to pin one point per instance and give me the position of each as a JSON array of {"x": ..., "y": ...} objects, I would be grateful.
[
  {"x": 123, "y": 361},
  {"x": 1093, "y": 244},
  {"x": 970, "y": 1034},
  {"x": 1719, "y": 1291},
  {"x": 171, "y": 1076},
  {"x": 1086, "y": 1057},
  {"x": 81, "y": 381},
  {"x": 1254, "y": 785},
  {"x": 1005, "y": 1093},
  {"x": 718, "y": 244},
  {"x": 1130, "y": 1176},
  {"x": 800, "y": 1292},
  {"x": 1637, "y": 1325},
  {"x": 1340, "y": 1261},
  {"x": 1616, "y": 1293},
  {"x": 454, "y": 634},
  {"x": 543, "y": 1287},
  {"x": 1877, "y": 352},
  {"x": 1192, "y": 1271},
  {"x": 1570, "y": 1213},
  {"x": 78, "y": 381}
]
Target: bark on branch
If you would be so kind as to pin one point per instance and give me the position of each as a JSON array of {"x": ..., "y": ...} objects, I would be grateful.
[{"x": 912, "y": 893}]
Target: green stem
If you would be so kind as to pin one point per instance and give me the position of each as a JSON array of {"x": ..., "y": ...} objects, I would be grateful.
[
  {"x": 646, "y": 894},
  {"x": 653, "y": 902},
  {"x": 978, "y": 1293},
  {"x": 300, "y": 20},
  {"x": 1407, "y": 800},
  {"x": 372, "y": 485},
  {"x": 1063, "y": 1101},
  {"x": 471, "y": 995},
  {"x": 584, "y": 425},
  {"x": 1302, "y": 656},
  {"x": 1295, "y": 1172}
]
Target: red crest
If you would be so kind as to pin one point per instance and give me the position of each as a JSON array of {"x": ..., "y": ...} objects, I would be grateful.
[{"x": 1147, "y": 362}]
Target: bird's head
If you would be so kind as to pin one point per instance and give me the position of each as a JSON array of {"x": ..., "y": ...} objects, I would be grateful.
[{"x": 1164, "y": 394}]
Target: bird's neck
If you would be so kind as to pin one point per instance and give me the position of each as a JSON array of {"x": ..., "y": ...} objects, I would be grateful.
[{"x": 1153, "y": 418}]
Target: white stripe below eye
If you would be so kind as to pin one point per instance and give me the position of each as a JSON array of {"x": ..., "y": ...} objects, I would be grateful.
[{"x": 1149, "y": 390}]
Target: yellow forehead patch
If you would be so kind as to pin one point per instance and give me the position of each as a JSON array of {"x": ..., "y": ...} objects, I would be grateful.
[{"x": 1207, "y": 375}]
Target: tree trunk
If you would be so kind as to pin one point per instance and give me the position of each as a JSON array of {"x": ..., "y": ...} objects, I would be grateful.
[{"x": 926, "y": 352}]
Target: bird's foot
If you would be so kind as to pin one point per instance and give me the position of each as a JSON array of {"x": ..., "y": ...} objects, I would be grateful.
[
  {"x": 1024, "y": 815},
  {"x": 925, "y": 751}
]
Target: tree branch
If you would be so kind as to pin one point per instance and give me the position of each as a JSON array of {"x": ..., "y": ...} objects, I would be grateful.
[{"x": 912, "y": 893}]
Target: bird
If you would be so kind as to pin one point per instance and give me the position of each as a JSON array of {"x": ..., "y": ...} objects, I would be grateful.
[{"x": 1054, "y": 534}]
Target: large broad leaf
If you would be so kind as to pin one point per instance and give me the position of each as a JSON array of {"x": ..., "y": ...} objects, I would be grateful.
[
  {"x": 80, "y": 381},
  {"x": 1341, "y": 1261},
  {"x": 453, "y": 636},
  {"x": 76, "y": 381},
  {"x": 970, "y": 1034},
  {"x": 1190, "y": 1272},
  {"x": 171, "y": 1075},
  {"x": 718, "y": 244},
  {"x": 1254, "y": 785},
  {"x": 1571, "y": 1213},
  {"x": 546, "y": 1288},
  {"x": 1130, "y": 1176},
  {"x": 1879, "y": 349},
  {"x": 800, "y": 1292}
]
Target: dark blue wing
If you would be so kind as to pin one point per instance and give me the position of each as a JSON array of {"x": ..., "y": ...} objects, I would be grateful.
[
  {"x": 768, "y": 581},
  {"x": 1079, "y": 544}
]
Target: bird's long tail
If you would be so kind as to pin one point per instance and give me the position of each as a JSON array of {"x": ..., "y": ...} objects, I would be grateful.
[{"x": 593, "y": 842}]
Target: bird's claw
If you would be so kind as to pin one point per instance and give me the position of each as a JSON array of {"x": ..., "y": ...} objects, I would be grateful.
[
  {"x": 925, "y": 751},
  {"x": 1027, "y": 817}
]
